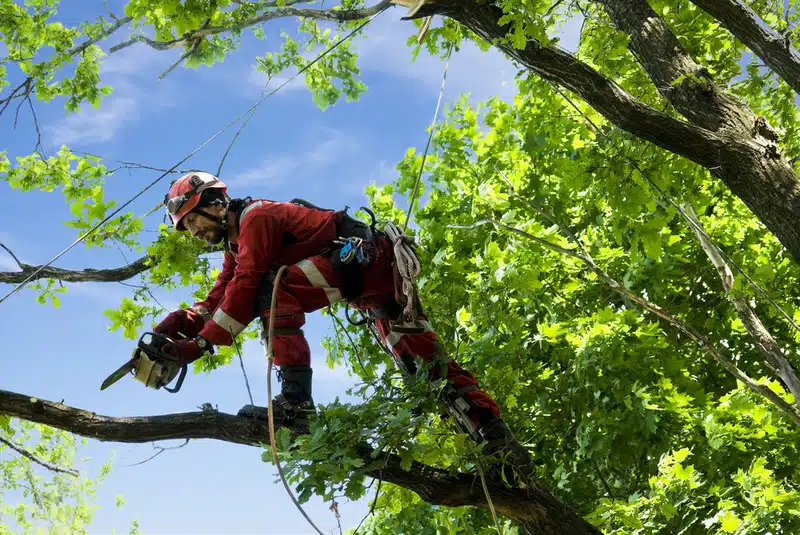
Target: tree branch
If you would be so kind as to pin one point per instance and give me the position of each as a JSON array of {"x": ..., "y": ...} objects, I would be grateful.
[
  {"x": 41, "y": 462},
  {"x": 27, "y": 84},
  {"x": 20, "y": 264},
  {"x": 774, "y": 357},
  {"x": 792, "y": 412},
  {"x": 686, "y": 84},
  {"x": 336, "y": 15},
  {"x": 774, "y": 49},
  {"x": 536, "y": 510},
  {"x": 83, "y": 275}
]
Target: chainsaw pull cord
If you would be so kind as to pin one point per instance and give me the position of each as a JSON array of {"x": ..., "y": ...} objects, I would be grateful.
[
  {"x": 270, "y": 358},
  {"x": 407, "y": 265}
]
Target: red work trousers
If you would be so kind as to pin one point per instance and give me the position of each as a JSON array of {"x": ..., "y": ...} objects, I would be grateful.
[{"x": 312, "y": 284}]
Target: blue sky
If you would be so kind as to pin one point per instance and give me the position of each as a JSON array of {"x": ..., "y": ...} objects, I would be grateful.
[{"x": 290, "y": 149}]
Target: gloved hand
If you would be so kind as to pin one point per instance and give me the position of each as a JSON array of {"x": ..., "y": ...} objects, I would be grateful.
[
  {"x": 186, "y": 321},
  {"x": 185, "y": 351}
]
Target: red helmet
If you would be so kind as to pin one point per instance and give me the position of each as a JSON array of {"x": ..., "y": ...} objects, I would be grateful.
[{"x": 184, "y": 194}]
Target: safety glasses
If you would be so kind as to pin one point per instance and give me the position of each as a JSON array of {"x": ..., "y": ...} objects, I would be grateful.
[{"x": 174, "y": 204}]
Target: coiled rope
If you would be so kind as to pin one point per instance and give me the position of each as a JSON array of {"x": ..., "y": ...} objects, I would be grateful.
[{"x": 407, "y": 265}]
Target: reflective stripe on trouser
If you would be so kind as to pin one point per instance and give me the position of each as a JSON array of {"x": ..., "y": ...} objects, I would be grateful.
[
  {"x": 306, "y": 286},
  {"x": 425, "y": 345}
]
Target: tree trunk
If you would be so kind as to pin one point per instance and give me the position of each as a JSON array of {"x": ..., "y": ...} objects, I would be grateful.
[
  {"x": 536, "y": 510},
  {"x": 731, "y": 143}
]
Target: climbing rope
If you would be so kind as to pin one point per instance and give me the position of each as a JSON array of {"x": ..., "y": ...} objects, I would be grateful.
[
  {"x": 270, "y": 359},
  {"x": 405, "y": 256},
  {"x": 430, "y": 138}
]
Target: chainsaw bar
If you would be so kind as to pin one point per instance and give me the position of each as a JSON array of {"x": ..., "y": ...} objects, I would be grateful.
[{"x": 121, "y": 372}]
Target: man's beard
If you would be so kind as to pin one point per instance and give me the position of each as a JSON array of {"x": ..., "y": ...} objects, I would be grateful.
[{"x": 214, "y": 237}]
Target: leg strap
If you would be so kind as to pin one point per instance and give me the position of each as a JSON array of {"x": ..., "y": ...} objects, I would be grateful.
[
  {"x": 394, "y": 313},
  {"x": 454, "y": 400}
]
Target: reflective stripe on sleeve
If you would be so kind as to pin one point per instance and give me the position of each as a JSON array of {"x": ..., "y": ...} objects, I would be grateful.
[{"x": 226, "y": 322}]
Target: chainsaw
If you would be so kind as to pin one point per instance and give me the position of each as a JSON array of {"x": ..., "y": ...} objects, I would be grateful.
[{"x": 150, "y": 365}]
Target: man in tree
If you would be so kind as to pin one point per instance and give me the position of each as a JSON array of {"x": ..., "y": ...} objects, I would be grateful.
[{"x": 330, "y": 256}]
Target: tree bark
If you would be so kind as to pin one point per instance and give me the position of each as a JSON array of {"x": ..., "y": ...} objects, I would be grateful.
[
  {"x": 535, "y": 510},
  {"x": 686, "y": 84},
  {"x": 79, "y": 275},
  {"x": 736, "y": 147},
  {"x": 775, "y": 50}
]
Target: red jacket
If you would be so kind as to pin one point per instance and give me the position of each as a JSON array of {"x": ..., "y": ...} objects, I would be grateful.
[{"x": 271, "y": 234}]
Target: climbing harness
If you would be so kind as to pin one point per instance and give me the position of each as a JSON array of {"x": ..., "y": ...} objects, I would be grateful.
[{"x": 150, "y": 365}]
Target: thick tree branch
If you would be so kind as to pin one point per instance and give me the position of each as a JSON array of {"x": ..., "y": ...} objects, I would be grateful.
[
  {"x": 774, "y": 49},
  {"x": 792, "y": 412},
  {"x": 535, "y": 510},
  {"x": 683, "y": 82},
  {"x": 191, "y": 38},
  {"x": 80, "y": 275}
]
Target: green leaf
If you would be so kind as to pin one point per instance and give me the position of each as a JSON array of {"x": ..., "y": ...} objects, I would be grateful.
[
  {"x": 681, "y": 454},
  {"x": 729, "y": 522}
]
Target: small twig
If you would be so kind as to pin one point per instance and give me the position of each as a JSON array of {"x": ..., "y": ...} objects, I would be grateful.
[
  {"x": 26, "y": 85},
  {"x": 372, "y": 508},
  {"x": 192, "y": 50},
  {"x": 38, "y": 130},
  {"x": 335, "y": 508},
  {"x": 20, "y": 264},
  {"x": 161, "y": 449},
  {"x": 603, "y": 480},
  {"x": 110, "y": 13},
  {"x": 350, "y": 338},
  {"x": 334, "y": 15},
  {"x": 136, "y": 165},
  {"x": 41, "y": 462},
  {"x": 536, "y": 208},
  {"x": 241, "y": 363}
]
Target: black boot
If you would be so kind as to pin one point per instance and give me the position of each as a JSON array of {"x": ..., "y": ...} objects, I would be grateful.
[
  {"x": 293, "y": 403},
  {"x": 508, "y": 452}
]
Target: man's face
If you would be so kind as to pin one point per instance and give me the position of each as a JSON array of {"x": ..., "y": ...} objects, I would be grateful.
[{"x": 204, "y": 228}]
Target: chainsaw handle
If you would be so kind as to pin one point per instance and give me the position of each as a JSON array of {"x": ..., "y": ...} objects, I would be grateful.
[{"x": 178, "y": 385}]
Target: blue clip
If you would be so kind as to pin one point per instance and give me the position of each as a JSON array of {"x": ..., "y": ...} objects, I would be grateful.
[
  {"x": 353, "y": 248},
  {"x": 347, "y": 252}
]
